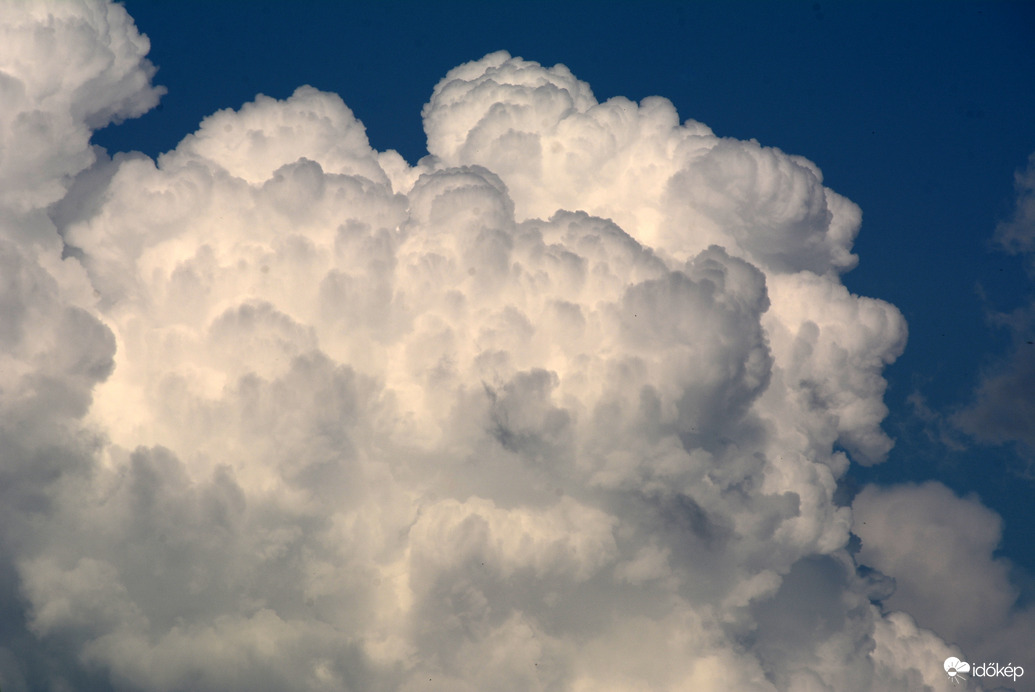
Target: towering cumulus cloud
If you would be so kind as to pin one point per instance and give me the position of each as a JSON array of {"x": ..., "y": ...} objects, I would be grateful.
[{"x": 561, "y": 407}]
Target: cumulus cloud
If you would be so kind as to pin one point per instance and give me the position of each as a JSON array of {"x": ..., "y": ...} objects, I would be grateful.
[
  {"x": 65, "y": 69},
  {"x": 941, "y": 550},
  {"x": 563, "y": 406}
]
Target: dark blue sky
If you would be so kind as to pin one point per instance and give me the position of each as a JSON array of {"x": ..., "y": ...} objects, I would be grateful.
[{"x": 918, "y": 112}]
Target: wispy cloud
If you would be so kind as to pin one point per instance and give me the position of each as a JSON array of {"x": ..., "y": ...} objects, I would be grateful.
[{"x": 1003, "y": 409}]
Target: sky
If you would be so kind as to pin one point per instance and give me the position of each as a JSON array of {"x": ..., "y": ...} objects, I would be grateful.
[{"x": 457, "y": 346}]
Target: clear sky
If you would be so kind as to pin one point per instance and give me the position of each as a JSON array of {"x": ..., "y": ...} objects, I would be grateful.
[{"x": 589, "y": 397}]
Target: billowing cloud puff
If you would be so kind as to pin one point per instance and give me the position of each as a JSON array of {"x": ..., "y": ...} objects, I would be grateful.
[
  {"x": 673, "y": 186},
  {"x": 66, "y": 68},
  {"x": 561, "y": 407},
  {"x": 940, "y": 548}
]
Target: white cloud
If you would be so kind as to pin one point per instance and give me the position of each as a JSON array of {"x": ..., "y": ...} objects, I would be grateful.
[
  {"x": 675, "y": 187},
  {"x": 941, "y": 550},
  {"x": 556, "y": 408},
  {"x": 65, "y": 69}
]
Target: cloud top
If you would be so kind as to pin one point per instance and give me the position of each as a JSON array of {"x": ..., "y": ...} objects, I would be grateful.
[
  {"x": 65, "y": 69},
  {"x": 674, "y": 186}
]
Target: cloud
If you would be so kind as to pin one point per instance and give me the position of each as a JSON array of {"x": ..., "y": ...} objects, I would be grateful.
[
  {"x": 675, "y": 187},
  {"x": 65, "y": 70},
  {"x": 1017, "y": 234},
  {"x": 1003, "y": 406},
  {"x": 941, "y": 550},
  {"x": 562, "y": 406}
]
